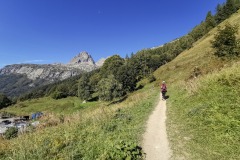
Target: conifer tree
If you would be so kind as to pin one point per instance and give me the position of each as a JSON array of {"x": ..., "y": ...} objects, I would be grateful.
[
  {"x": 219, "y": 17},
  {"x": 210, "y": 21},
  {"x": 229, "y": 8}
]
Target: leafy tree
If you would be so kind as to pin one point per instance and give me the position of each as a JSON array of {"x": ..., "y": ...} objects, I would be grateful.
[
  {"x": 84, "y": 87},
  {"x": 111, "y": 65},
  {"x": 109, "y": 88},
  {"x": 126, "y": 75},
  {"x": 4, "y": 101},
  {"x": 73, "y": 90},
  {"x": 93, "y": 80},
  {"x": 225, "y": 41},
  {"x": 61, "y": 91}
]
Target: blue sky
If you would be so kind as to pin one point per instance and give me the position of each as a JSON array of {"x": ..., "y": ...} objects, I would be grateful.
[{"x": 49, "y": 31}]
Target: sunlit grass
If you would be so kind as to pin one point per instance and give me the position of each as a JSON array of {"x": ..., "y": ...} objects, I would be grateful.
[
  {"x": 204, "y": 122},
  {"x": 47, "y": 104},
  {"x": 92, "y": 134}
]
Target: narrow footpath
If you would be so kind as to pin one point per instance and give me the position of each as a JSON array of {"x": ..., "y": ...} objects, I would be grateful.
[{"x": 155, "y": 141}]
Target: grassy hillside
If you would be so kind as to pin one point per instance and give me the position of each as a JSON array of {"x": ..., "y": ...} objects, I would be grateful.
[
  {"x": 204, "y": 121},
  {"x": 203, "y": 108},
  {"x": 199, "y": 56}
]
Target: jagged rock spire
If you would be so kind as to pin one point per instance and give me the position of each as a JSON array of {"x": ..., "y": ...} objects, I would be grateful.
[{"x": 82, "y": 58}]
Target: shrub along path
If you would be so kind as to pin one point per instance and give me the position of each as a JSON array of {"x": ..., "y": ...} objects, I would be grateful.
[{"x": 155, "y": 141}]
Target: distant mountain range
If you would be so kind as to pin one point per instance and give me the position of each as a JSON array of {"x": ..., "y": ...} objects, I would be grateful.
[{"x": 18, "y": 78}]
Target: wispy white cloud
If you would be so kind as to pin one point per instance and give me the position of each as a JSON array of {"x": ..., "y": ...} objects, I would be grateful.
[
  {"x": 27, "y": 61},
  {"x": 33, "y": 61}
]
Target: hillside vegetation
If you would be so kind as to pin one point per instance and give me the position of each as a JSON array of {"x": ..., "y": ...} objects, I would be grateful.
[
  {"x": 106, "y": 132},
  {"x": 203, "y": 108},
  {"x": 204, "y": 120},
  {"x": 203, "y": 105}
]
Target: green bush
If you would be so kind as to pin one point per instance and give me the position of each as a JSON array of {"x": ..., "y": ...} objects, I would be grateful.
[
  {"x": 128, "y": 151},
  {"x": 58, "y": 95},
  {"x": 11, "y": 132},
  {"x": 225, "y": 42}
]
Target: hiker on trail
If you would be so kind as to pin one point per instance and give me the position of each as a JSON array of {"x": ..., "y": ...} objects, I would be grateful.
[{"x": 163, "y": 90}]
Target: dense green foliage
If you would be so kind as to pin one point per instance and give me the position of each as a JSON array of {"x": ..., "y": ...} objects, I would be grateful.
[
  {"x": 69, "y": 87},
  {"x": 224, "y": 11},
  {"x": 11, "y": 132},
  {"x": 225, "y": 42},
  {"x": 111, "y": 66},
  {"x": 84, "y": 87},
  {"x": 109, "y": 88},
  {"x": 4, "y": 101},
  {"x": 58, "y": 95}
]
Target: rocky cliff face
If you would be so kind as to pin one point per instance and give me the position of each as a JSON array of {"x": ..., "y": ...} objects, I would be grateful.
[
  {"x": 82, "y": 62},
  {"x": 82, "y": 58},
  {"x": 46, "y": 73}
]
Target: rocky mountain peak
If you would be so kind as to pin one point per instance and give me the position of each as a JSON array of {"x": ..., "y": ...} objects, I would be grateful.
[
  {"x": 28, "y": 76},
  {"x": 82, "y": 58}
]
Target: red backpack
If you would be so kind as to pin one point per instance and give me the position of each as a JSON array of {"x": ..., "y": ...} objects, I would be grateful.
[{"x": 164, "y": 88}]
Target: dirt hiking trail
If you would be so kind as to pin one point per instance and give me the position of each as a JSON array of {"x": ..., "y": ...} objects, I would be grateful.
[{"x": 155, "y": 141}]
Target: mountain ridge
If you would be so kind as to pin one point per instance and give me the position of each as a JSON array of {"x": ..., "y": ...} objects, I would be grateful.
[{"x": 42, "y": 74}]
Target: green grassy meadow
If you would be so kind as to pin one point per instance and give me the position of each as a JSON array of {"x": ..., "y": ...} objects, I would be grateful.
[
  {"x": 47, "y": 104},
  {"x": 106, "y": 132}
]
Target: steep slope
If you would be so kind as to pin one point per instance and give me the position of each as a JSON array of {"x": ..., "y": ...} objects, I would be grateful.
[
  {"x": 203, "y": 108},
  {"x": 199, "y": 58}
]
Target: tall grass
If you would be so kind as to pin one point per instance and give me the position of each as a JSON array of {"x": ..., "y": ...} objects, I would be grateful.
[
  {"x": 107, "y": 132},
  {"x": 204, "y": 121},
  {"x": 47, "y": 104}
]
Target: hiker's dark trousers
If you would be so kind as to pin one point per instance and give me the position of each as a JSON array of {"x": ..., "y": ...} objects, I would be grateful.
[{"x": 164, "y": 94}]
